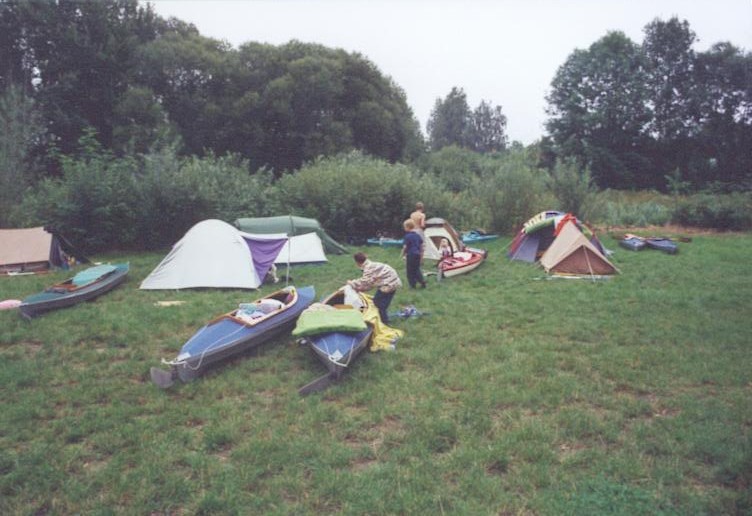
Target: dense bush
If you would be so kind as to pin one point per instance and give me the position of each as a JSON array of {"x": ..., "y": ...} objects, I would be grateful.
[
  {"x": 573, "y": 188},
  {"x": 719, "y": 211},
  {"x": 103, "y": 203},
  {"x": 180, "y": 192},
  {"x": 623, "y": 208},
  {"x": 455, "y": 168},
  {"x": 352, "y": 195},
  {"x": 94, "y": 204},
  {"x": 512, "y": 191}
]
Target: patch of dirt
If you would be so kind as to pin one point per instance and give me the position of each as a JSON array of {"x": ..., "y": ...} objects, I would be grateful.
[{"x": 29, "y": 348}]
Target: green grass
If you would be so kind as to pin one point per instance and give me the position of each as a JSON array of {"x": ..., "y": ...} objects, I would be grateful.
[{"x": 516, "y": 394}]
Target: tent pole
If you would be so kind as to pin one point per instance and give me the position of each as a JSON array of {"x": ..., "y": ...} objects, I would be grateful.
[
  {"x": 287, "y": 273},
  {"x": 590, "y": 268}
]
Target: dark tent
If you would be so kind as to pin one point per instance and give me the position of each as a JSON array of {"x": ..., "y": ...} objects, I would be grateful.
[
  {"x": 291, "y": 225},
  {"x": 35, "y": 249}
]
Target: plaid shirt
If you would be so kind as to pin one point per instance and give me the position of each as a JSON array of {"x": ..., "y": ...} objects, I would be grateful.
[{"x": 376, "y": 274}]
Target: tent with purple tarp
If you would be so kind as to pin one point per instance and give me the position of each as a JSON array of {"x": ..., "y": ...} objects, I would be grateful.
[
  {"x": 264, "y": 250},
  {"x": 215, "y": 254}
]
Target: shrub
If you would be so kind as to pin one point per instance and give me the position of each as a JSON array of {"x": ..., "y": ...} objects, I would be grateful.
[
  {"x": 573, "y": 188},
  {"x": 231, "y": 191},
  {"x": 351, "y": 195},
  {"x": 180, "y": 193},
  {"x": 512, "y": 191},
  {"x": 454, "y": 167},
  {"x": 719, "y": 211},
  {"x": 93, "y": 204},
  {"x": 102, "y": 203}
]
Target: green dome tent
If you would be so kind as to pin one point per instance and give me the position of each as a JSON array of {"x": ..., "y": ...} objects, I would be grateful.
[{"x": 291, "y": 225}]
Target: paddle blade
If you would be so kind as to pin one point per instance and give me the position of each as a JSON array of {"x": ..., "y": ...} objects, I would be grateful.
[{"x": 319, "y": 384}]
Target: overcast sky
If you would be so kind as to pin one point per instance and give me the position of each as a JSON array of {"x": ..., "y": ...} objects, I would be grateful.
[{"x": 504, "y": 51}]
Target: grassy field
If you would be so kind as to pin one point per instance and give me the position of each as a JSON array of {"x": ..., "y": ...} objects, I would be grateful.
[{"x": 515, "y": 395}]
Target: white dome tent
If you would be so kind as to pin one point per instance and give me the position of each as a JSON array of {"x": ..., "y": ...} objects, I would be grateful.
[{"x": 215, "y": 254}]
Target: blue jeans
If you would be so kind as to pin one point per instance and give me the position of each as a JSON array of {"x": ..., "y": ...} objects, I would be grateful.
[{"x": 382, "y": 300}]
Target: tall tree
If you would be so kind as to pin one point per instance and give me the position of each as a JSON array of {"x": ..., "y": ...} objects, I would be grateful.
[
  {"x": 670, "y": 63},
  {"x": 488, "y": 128},
  {"x": 667, "y": 47},
  {"x": 449, "y": 122},
  {"x": 295, "y": 102},
  {"x": 22, "y": 133},
  {"x": 724, "y": 104},
  {"x": 187, "y": 75},
  {"x": 76, "y": 58},
  {"x": 597, "y": 109}
]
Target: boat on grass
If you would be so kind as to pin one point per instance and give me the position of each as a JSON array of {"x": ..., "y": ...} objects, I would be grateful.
[
  {"x": 386, "y": 242},
  {"x": 637, "y": 243},
  {"x": 336, "y": 334},
  {"x": 461, "y": 262},
  {"x": 84, "y": 286},
  {"x": 666, "y": 245},
  {"x": 633, "y": 242},
  {"x": 230, "y": 334},
  {"x": 476, "y": 235}
]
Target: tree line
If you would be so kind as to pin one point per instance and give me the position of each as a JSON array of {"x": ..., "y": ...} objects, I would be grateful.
[
  {"x": 652, "y": 115},
  {"x": 135, "y": 78},
  {"x": 657, "y": 113}
]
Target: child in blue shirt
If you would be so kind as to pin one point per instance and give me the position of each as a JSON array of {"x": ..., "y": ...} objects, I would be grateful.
[{"x": 412, "y": 253}]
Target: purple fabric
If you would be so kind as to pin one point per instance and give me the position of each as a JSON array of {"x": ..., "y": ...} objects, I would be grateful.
[
  {"x": 264, "y": 252},
  {"x": 528, "y": 248}
]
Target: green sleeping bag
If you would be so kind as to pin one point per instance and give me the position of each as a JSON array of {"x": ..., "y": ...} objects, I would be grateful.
[{"x": 314, "y": 322}]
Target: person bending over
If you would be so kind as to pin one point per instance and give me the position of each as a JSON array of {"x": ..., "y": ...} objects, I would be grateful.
[{"x": 377, "y": 275}]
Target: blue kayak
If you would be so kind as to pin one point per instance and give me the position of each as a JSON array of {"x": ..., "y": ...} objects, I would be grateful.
[
  {"x": 337, "y": 350},
  {"x": 475, "y": 236},
  {"x": 84, "y": 286},
  {"x": 233, "y": 333},
  {"x": 633, "y": 243},
  {"x": 666, "y": 245},
  {"x": 385, "y": 242}
]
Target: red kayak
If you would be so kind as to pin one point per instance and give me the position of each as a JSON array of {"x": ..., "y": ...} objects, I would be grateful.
[{"x": 461, "y": 262}]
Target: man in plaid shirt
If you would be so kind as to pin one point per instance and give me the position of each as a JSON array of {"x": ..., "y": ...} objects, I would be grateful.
[{"x": 379, "y": 275}]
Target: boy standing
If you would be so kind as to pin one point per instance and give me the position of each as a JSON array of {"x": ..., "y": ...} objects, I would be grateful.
[{"x": 412, "y": 253}]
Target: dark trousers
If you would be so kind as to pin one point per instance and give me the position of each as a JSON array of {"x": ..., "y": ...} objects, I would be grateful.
[
  {"x": 414, "y": 275},
  {"x": 382, "y": 300}
]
